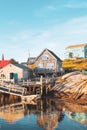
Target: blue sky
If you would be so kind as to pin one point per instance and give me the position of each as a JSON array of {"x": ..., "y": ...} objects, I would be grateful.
[{"x": 33, "y": 25}]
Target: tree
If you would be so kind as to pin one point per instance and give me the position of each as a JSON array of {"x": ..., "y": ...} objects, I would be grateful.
[{"x": 13, "y": 61}]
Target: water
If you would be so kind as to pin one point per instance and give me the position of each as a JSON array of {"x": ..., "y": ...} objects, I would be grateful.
[{"x": 45, "y": 115}]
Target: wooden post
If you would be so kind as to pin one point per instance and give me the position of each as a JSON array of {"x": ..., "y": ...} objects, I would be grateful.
[
  {"x": 27, "y": 82},
  {"x": 23, "y": 82},
  {"x": 41, "y": 80},
  {"x": 41, "y": 109}
]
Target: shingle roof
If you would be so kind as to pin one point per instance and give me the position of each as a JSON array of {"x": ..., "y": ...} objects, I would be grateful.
[
  {"x": 22, "y": 66},
  {"x": 76, "y": 46},
  {"x": 51, "y": 53},
  {"x": 54, "y": 54}
]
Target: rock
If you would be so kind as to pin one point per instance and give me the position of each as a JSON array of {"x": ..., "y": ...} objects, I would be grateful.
[
  {"x": 70, "y": 74},
  {"x": 72, "y": 86}
]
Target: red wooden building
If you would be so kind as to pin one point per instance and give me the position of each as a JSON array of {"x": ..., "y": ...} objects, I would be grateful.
[{"x": 4, "y": 62}]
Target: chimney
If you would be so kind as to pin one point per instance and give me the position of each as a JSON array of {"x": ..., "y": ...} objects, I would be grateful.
[{"x": 2, "y": 57}]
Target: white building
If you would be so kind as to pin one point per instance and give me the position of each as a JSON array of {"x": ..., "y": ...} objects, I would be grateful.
[{"x": 15, "y": 72}]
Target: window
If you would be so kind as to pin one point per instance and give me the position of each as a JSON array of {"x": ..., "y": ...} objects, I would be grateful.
[
  {"x": 70, "y": 54},
  {"x": 50, "y": 65},
  {"x": 40, "y": 65},
  {"x": 45, "y": 57},
  {"x": 3, "y": 76}
]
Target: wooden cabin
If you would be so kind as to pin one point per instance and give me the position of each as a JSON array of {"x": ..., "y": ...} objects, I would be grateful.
[{"x": 48, "y": 63}]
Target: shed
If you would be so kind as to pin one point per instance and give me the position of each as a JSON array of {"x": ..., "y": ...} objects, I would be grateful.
[{"x": 15, "y": 72}]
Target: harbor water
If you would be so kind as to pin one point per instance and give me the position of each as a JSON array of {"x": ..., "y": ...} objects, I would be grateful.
[{"x": 47, "y": 114}]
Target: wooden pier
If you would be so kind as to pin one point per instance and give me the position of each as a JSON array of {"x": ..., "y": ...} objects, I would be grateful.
[
  {"x": 18, "y": 91},
  {"x": 27, "y": 90}
]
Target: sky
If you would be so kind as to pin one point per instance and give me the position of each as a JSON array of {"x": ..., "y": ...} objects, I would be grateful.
[{"x": 27, "y": 27}]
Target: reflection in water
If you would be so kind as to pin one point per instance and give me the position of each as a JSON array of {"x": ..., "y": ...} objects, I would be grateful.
[
  {"x": 79, "y": 117},
  {"x": 12, "y": 113},
  {"x": 46, "y": 114},
  {"x": 49, "y": 117}
]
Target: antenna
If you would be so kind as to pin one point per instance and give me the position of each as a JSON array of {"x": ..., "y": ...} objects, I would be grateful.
[
  {"x": 28, "y": 57},
  {"x": 28, "y": 62}
]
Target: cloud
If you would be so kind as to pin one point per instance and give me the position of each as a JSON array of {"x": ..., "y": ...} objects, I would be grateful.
[
  {"x": 55, "y": 38},
  {"x": 46, "y": 10},
  {"x": 13, "y": 22},
  {"x": 75, "y": 4},
  {"x": 51, "y": 7},
  {"x": 76, "y": 26}
]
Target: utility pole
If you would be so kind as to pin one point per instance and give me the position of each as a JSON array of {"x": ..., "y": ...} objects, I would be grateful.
[{"x": 28, "y": 62}]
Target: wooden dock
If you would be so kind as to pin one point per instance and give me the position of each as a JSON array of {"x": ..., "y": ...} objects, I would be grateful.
[
  {"x": 14, "y": 90},
  {"x": 19, "y": 91},
  {"x": 27, "y": 90}
]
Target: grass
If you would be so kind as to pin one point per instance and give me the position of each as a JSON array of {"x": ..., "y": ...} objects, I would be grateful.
[{"x": 76, "y": 64}]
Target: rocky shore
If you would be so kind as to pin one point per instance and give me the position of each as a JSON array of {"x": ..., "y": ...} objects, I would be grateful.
[{"x": 71, "y": 87}]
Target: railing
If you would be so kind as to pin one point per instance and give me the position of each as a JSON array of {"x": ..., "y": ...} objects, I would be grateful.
[
  {"x": 15, "y": 90},
  {"x": 39, "y": 81}
]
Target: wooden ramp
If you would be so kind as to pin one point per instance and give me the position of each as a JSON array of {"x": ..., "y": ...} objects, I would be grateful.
[
  {"x": 14, "y": 90},
  {"x": 19, "y": 91}
]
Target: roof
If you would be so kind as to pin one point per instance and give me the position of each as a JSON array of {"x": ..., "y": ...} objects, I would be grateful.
[
  {"x": 31, "y": 60},
  {"x": 51, "y": 53},
  {"x": 22, "y": 66},
  {"x": 76, "y": 46},
  {"x": 54, "y": 54},
  {"x": 3, "y": 63}
]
